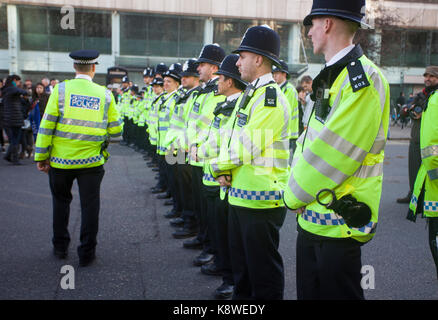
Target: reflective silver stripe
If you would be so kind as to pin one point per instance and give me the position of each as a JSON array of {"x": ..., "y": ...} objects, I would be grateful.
[
  {"x": 369, "y": 171},
  {"x": 248, "y": 145},
  {"x": 378, "y": 85},
  {"x": 353, "y": 152},
  {"x": 271, "y": 163},
  {"x": 49, "y": 117},
  {"x": 78, "y": 136},
  {"x": 429, "y": 152},
  {"x": 83, "y": 123},
  {"x": 380, "y": 142},
  {"x": 45, "y": 131},
  {"x": 61, "y": 98},
  {"x": 338, "y": 98},
  {"x": 282, "y": 145},
  {"x": 108, "y": 96},
  {"x": 312, "y": 133},
  {"x": 286, "y": 117},
  {"x": 324, "y": 168},
  {"x": 41, "y": 150},
  {"x": 299, "y": 192},
  {"x": 114, "y": 124},
  {"x": 433, "y": 174}
]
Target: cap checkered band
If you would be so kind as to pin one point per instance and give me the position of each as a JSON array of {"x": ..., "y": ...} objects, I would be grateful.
[
  {"x": 70, "y": 162},
  {"x": 255, "y": 195},
  {"x": 331, "y": 219},
  {"x": 78, "y": 61}
]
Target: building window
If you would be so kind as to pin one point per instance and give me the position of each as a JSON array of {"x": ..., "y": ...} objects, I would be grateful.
[
  {"x": 162, "y": 36},
  {"x": 40, "y": 29},
  {"x": 3, "y": 28},
  {"x": 434, "y": 49},
  {"x": 391, "y": 51},
  {"x": 229, "y": 33},
  {"x": 33, "y": 29},
  {"x": 416, "y": 44}
]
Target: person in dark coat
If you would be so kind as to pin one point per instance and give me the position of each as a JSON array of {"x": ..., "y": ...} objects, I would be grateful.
[{"x": 13, "y": 118}]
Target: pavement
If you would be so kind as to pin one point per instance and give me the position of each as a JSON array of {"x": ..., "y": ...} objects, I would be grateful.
[{"x": 138, "y": 259}]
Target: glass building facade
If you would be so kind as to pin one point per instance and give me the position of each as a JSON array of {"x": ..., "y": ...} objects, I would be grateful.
[
  {"x": 41, "y": 30},
  {"x": 3, "y": 28}
]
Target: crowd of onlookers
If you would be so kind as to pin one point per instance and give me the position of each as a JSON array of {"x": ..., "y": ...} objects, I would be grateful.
[{"x": 22, "y": 105}]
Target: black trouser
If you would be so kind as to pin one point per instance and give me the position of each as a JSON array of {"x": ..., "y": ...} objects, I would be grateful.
[
  {"x": 162, "y": 172},
  {"x": 125, "y": 129},
  {"x": 328, "y": 269},
  {"x": 200, "y": 205},
  {"x": 414, "y": 163},
  {"x": 211, "y": 194},
  {"x": 254, "y": 237},
  {"x": 223, "y": 261},
  {"x": 433, "y": 240},
  {"x": 186, "y": 192},
  {"x": 14, "y": 137},
  {"x": 2, "y": 139},
  {"x": 89, "y": 181},
  {"x": 172, "y": 182}
]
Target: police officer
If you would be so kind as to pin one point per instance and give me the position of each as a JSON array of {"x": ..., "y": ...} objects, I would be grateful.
[
  {"x": 230, "y": 85},
  {"x": 79, "y": 119},
  {"x": 336, "y": 177},
  {"x": 425, "y": 193},
  {"x": 123, "y": 108},
  {"x": 253, "y": 163},
  {"x": 176, "y": 140},
  {"x": 281, "y": 76},
  {"x": 200, "y": 113}
]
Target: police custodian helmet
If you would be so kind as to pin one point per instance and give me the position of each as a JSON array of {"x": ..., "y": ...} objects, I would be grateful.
[
  {"x": 229, "y": 69},
  {"x": 213, "y": 54},
  {"x": 353, "y": 10},
  {"x": 261, "y": 40},
  {"x": 174, "y": 72},
  {"x": 284, "y": 68}
]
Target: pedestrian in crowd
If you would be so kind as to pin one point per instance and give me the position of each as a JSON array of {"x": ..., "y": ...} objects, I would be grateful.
[
  {"x": 71, "y": 144},
  {"x": 414, "y": 158},
  {"x": 26, "y": 140},
  {"x": 337, "y": 172},
  {"x": 425, "y": 193},
  {"x": 39, "y": 101},
  {"x": 46, "y": 83},
  {"x": 301, "y": 101},
  {"x": 28, "y": 86},
  {"x": 253, "y": 162},
  {"x": 307, "y": 104},
  {"x": 281, "y": 76},
  {"x": 13, "y": 118}
]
